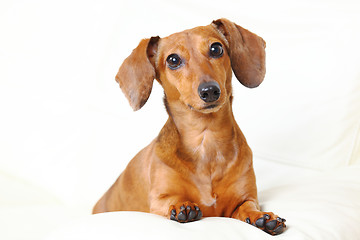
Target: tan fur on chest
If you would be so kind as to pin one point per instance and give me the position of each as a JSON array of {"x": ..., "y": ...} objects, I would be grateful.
[{"x": 212, "y": 163}]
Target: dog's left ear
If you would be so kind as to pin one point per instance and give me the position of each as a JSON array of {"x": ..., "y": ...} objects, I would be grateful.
[
  {"x": 137, "y": 73},
  {"x": 246, "y": 50}
]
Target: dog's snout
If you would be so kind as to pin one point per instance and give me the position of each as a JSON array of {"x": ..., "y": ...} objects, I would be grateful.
[{"x": 209, "y": 91}]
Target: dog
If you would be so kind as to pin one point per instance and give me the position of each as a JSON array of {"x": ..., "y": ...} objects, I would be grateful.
[{"x": 200, "y": 164}]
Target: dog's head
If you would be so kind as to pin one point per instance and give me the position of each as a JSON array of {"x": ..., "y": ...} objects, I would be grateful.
[{"x": 194, "y": 66}]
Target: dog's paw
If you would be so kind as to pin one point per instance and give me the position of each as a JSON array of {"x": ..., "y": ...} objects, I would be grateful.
[
  {"x": 185, "y": 212},
  {"x": 267, "y": 221}
]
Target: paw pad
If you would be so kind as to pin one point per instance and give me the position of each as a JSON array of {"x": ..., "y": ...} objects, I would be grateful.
[
  {"x": 268, "y": 224},
  {"x": 186, "y": 213}
]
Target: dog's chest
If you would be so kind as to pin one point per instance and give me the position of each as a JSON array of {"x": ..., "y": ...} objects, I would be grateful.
[
  {"x": 206, "y": 195},
  {"x": 204, "y": 146},
  {"x": 213, "y": 156},
  {"x": 213, "y": 164}
]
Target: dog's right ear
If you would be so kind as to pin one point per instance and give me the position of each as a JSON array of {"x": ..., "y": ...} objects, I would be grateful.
[{"x": 137, "y": 73}]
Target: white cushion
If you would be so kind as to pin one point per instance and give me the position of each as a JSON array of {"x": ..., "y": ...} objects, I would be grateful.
[{"x": 316, "y": 206}]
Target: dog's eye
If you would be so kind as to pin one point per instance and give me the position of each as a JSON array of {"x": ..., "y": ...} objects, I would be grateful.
[
  {"x": 216, "y": 50},
  {"x": 173, "y": 61}
]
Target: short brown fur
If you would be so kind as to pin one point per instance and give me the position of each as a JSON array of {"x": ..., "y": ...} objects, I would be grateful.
[{"x": 200, "y": 159}]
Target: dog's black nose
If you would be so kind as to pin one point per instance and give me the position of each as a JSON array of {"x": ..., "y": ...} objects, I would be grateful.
[{"x": 209, "y": 91}]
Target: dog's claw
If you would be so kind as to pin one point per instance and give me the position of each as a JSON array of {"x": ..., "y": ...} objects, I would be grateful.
[{"x": 172, "y": 215}]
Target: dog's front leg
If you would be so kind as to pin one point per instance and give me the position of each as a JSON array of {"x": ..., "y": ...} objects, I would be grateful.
[
  {"x": 249, "y": 212},
  {"x": 171, "y": 196}
]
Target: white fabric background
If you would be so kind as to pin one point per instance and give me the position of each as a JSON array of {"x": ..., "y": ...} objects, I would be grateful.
[{"x": 66, "y": 130}]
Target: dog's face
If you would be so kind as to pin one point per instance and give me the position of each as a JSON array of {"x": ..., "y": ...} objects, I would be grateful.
[{"x": 194, "y": 66}]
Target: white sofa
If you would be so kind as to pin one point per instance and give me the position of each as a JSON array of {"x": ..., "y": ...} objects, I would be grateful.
[{"x": 66, "y": 130}]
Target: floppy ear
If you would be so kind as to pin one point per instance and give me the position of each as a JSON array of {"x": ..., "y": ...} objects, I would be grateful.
[
  {"x": 137, "y": 73},
  {"x": 246, "y": 50}
]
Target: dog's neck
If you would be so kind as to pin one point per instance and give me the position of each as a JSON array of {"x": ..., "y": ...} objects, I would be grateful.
[{"x": 205, "y": 136}]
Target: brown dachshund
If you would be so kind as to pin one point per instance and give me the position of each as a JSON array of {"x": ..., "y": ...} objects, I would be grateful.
[{"x": 200, "y": 165}]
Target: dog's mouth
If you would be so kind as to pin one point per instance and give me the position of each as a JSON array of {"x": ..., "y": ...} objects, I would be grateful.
[
  {"x": 211, "y": 106},
  {"x": 205, "y": 109}
]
